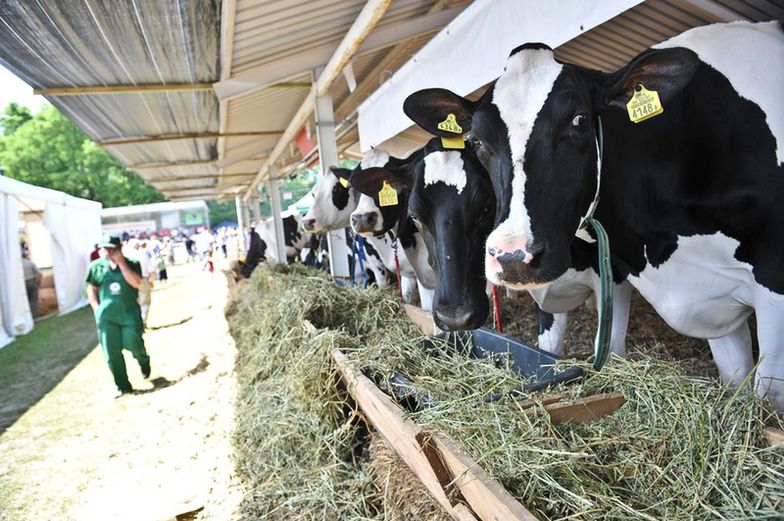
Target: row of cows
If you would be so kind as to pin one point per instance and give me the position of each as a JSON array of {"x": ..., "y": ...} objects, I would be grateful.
[{"x": 691, "y": 193}]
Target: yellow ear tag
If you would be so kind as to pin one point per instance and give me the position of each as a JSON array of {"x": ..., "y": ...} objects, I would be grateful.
[
  {"x": 387, "y": 196},
  {"x": 644, "y": 104},
  {"x": 456, "y": 143},
  {"x": 450, "y": 125},
  {"x": 343, "y": 181}
]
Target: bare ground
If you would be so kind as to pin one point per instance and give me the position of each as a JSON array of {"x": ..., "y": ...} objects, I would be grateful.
[{"x": 79, "y": 454}]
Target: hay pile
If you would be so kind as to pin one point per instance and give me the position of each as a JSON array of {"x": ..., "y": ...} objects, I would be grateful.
[{"x": 681, "y": 447}]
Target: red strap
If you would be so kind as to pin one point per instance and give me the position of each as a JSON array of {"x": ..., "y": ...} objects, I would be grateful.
[{"x": 497, "y": 309}]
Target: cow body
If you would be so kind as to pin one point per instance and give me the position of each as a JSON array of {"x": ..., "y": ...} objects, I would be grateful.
[
  {"x": 295, "y": 239},
  {"x": 691, "y": 198}
]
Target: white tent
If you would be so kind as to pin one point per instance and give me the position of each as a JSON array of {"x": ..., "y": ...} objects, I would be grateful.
[{"x": 74, "y": 226}]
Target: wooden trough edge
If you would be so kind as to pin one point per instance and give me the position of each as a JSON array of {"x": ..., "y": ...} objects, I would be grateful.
[{"x": 451, "y": 476}]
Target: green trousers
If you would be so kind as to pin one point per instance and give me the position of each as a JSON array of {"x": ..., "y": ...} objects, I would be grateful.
[{"x": 114, "y": 338}]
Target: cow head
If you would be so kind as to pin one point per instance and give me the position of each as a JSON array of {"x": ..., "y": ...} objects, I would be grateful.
[
  {"x": 371, "y": 217},
  {"x": 333, "y": 202},
  {"x": 451, "y": 201},
  {"x": 535, "y": 132}
]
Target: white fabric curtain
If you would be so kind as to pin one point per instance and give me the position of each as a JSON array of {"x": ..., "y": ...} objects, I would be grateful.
[
  {"x": 74, "y": 231},
  {"x": 16, "y": 316}
]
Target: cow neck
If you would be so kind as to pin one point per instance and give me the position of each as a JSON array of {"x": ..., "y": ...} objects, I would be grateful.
[{"x": 582, "y": 231}]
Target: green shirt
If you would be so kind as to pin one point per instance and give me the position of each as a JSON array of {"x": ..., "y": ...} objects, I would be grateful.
[{"x": 118, "y": 299}]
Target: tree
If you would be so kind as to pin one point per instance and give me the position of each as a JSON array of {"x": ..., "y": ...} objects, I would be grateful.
[
  {"x": 13, "y": 117},
  {"x": 48, "y": 150}
]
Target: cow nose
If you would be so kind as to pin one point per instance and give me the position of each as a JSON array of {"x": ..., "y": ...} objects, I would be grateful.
[
  {"x": 508, "y": 258},
  {"x": 459, "y": 318},
  {"x": 309, "y": 224},
  {"x": 364, "y": 221}
]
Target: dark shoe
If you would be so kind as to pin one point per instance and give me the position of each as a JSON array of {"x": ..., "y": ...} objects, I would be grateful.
[
  {"x": 120, "y": 392},
  {"x": 146, "y": 371}
]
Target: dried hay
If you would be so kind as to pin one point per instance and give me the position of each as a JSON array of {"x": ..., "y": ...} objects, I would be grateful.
[{"x": 681, "y": 447}]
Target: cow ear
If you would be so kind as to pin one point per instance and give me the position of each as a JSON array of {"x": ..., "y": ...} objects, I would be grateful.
[
  {"x": 666, "y": 71},
  {"x": 371, "y": 180},
  {"x": 340, "y": 172},
  {"x": 440, "y": 112}
]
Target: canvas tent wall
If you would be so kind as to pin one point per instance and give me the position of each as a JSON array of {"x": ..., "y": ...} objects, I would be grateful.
[{"x": 74, "y": 226}]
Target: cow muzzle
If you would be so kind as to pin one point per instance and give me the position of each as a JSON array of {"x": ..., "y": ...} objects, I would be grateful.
[
  {"x": 459, "y": 318},
  {"x": 365, "y": 223},
  {"x": 309, "y": 225},
  {"x": 513, "y": 262}
]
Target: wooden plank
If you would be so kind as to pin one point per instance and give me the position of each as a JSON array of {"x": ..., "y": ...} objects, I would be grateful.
[
  {"x": 176, "y": 137},
  {"x": 585, "y": 409},
  {"x": 421, "y": 318},
  {"x": 401, "y": 434},
  {"x": 485, "y": 495},
  {"x": 122, "y": 89},
  {"x": 774, "y": 436}
]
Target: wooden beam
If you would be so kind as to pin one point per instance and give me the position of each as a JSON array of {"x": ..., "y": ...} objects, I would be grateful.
[
  {"x": 209, "y": 176},
  {"x": 198, "y": 189},
  {"x": 774, "y": 436},
  {"x": 158, "y": 166},
  {"x": 485, "y": 496},
  {"x": 122, "y": 89},
  {"x": 364, "y": 23},
  {"x": 174, "y": 137},
  {"x": 263, "y": 76}
]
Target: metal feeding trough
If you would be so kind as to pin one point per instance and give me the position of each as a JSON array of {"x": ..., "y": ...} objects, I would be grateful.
[{"x": 529, "y": 362}]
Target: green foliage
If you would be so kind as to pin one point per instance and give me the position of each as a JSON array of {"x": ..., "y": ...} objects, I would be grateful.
[
  {"x": 48, "y": 150},
  {"x": 220, "y": 212},
  {"x": 13, "y": 117}
]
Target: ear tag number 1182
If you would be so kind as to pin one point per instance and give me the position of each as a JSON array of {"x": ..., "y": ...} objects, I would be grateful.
[{"x": 387, "y": 196}]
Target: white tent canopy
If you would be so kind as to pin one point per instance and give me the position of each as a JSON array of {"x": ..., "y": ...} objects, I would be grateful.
[{"x": 74, "y": 226}]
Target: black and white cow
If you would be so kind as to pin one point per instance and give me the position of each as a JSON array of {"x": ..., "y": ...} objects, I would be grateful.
[
  {"x": 295, "y": 239},
  {"x": 370, "y": 219},
  {"x": 334, "y": 200},
  {"x": 692, "y": 198},
  {"x": 449, "y": 196}
]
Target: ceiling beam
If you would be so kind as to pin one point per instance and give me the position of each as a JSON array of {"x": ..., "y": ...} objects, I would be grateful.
[
  {"x": 370, "y": 81},
  {"x": 174, "y": 137},
  {"x": 715, "y": 9},
  {"x": 122, "y": 89},
  {"x": 367, "y": 19},
  {"x": 262, "y": 76},
  {"x": 158, "y": 166},
  {"x": 197, "y": 177},
  {"x": 198, "y": 189}
]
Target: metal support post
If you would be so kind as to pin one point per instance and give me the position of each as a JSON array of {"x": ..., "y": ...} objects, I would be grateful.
[
  {"x": 240, "y": 224},
  {"x": 280, "y": 243},
  {"x": 339, "y": 251}
]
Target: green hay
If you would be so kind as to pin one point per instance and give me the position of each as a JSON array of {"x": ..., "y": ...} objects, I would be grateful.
[{"x": 680, "y": 448}]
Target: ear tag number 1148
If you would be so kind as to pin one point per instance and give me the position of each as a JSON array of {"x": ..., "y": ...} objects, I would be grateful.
[
  {"x": 644, "y": 104},
  {"x": 387, "y": 196}
]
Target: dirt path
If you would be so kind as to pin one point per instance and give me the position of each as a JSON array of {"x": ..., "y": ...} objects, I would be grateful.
[{"x": 78, "y": 454}]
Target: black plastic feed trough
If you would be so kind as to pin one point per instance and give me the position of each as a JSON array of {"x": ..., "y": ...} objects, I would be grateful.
[{"x": 527, "y": 361}]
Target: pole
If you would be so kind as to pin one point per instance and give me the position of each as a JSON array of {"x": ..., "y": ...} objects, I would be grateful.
[
  {"x": 339, "y": 251},
  {"x": 240, "y": 223},
  {"x": 280, "y": 244}
]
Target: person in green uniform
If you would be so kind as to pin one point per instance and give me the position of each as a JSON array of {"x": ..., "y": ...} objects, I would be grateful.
[{"x": 113, "y": 282}]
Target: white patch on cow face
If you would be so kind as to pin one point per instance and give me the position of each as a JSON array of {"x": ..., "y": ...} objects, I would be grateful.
[
  {"x": 367, "y": 205},
  {"x": 376, "y": 157},
  {"x": 324, "y": 212},
  {"x": 520, "y": 94},
  {"x": 447, "y": 168},
  {"x": 728, "y": 48}
]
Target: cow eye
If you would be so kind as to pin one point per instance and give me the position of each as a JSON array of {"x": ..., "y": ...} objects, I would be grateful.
[{"x": 579, "y": 120}]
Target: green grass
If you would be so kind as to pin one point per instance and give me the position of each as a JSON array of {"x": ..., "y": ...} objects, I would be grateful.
[{"x": 50, "y": 351}]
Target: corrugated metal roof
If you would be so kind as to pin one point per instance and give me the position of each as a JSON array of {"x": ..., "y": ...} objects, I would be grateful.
[{"x": 56, "y": 43}]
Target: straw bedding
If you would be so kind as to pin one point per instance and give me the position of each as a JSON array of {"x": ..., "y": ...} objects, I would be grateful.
[{"x": 682, "y": 447}]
